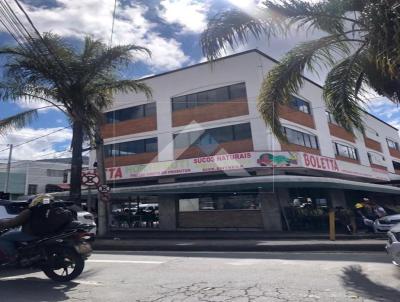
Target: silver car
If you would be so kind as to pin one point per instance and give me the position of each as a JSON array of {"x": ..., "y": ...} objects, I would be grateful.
[
  {"x": 384, "y": 224},
  {"x": 393, "y": 244}
]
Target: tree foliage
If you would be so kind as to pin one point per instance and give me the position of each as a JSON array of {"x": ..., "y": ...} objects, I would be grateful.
[
  {"x": 80, "y": 82},
  {"x": 361, "y": 49}
]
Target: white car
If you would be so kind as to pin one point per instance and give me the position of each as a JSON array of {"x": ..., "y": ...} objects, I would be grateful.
[
  {"x": 9, "y": 209},
  {"x": 384, "y": 224},
  {"x": 393, "y": 244}
]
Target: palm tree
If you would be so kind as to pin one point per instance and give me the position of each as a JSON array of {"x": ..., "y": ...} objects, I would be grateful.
[
  {"x": 361, "y": 50},
  {"x": 79, "y": 82}
]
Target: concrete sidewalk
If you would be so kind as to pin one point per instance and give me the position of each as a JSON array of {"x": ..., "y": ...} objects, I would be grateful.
[{"x": 367, "y": 245}]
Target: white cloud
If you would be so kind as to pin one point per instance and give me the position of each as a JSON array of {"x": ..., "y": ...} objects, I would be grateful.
[
  {"x": 77, "y": 18},
  {"x": 42, "y": 148},
  {"x": 191, "y": 15}
]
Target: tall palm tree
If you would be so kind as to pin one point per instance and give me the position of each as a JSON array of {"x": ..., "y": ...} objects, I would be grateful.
[
  {"x": 79, "y": 82},
  {"x": 361, "y": 49}
]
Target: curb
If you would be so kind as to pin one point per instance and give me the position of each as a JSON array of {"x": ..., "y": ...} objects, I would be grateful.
[{"x": 316, "y": 247}]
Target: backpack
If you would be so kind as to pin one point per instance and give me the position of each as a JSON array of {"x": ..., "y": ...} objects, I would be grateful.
[{"x": 47, "y": 219}]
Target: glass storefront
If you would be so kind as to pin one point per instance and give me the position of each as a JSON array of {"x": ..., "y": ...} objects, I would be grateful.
[{"x": 135, "y": 213}]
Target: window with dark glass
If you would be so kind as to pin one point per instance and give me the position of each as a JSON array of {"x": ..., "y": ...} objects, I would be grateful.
[
  {"x": 345, "y": 151},
  {"x": 300, "y": 138},
  {"x": 32, "y": 189},
  {"x": 212, "y": 136},
  {"x": 131, "y": 113},
  {"x": 392, "y": 144},
  {"x": 396, "y": 165},
  {"x": 221, "y": 94},
  {"x": 131, "y": 148},
  {"x": 300, "y": 105},
  {"x": 375, "y": 158}
]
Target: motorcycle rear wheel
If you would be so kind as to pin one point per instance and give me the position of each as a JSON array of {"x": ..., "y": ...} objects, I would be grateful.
[{"x": 66, "y": 265}]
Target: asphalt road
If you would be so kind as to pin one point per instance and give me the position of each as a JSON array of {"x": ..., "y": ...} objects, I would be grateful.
[{"x": 201, "y": 276}]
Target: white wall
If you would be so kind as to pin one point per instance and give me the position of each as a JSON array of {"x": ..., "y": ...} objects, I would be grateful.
[
  {"x": 249, "y": 68},
  {"x": 36, "y": 173}
]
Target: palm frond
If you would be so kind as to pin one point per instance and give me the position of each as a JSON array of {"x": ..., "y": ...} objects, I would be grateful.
[
  {"x": 286, "y": 78},
  {"x": 17, "y": 121},
  {"x": 381, "y": 82},
  {"x": 328, "y": 16},
  {"x": 104, "y": 59},
  {"x": 342, "y": 91},
  {"x": 124, "y": 86},
  {"x": 234, "y": 27}
]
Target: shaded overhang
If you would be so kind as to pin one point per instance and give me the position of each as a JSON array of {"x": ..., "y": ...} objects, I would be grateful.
[{"x": 263, "y": 183}]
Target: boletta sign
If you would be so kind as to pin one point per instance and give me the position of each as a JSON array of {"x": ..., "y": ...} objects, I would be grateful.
[{"x": 313, "y": 161}]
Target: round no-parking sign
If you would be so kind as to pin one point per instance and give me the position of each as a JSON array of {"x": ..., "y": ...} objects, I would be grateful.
[{"x": 90, "y": 179}]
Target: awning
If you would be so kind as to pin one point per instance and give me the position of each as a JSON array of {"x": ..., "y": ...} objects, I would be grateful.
[{"x": 265, "y": 183}]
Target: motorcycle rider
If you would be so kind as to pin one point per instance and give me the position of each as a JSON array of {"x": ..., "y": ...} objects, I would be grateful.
[{"x": 8, "y": 251}]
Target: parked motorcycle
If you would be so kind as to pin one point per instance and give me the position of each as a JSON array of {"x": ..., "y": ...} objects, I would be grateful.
[{"x": 61, "y": 256}]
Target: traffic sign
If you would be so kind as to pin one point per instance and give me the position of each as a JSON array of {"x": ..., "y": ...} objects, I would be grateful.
[
  {"x": 104, "y": 189},
  {"x": 105, "y": 197},
  {"x": 90, "y": 179}
]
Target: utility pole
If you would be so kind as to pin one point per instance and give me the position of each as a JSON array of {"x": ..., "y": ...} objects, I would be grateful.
[{"x": 8, "y": 169}]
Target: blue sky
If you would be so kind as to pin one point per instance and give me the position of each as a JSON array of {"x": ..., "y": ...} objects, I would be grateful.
[{"x": 169, "y": 28}]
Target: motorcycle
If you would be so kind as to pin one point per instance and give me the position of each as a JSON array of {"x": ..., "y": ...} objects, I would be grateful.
[{"x": 61, "y": 257}]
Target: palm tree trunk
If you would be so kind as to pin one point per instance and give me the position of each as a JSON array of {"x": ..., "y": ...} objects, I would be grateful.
[{"x": 76, "y": 162}]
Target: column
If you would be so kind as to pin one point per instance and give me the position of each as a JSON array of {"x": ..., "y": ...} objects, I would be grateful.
[
  {"x": 270, "y": 211},
  {"x": 168, "y": 211}
]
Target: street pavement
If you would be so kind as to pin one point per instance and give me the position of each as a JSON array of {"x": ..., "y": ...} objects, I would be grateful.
[{"x": 216, "y": 276}]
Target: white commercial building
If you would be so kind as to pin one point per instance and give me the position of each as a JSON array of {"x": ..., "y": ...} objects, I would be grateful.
[
  {"x": 34, "y": 177},
  {"x": 200, "y": 149}
]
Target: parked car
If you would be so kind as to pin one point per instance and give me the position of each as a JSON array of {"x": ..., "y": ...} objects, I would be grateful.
[
  {"x": 393, "y": 244},
  {"x": 9, "y": 209},
  {"x": 384, "y": 224}
]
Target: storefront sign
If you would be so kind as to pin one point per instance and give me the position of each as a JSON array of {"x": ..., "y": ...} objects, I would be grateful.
[
  {"x": 242, "y": 161},
  {"x": 313, "y": 161},
  {"x": 223, "y": 162}
]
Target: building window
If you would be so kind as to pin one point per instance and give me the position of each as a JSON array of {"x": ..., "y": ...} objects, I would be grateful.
[
  {"x": 376, "y": 159},
  {"x": 331, "y": 118},
  {"x": 212, "y": 136},
  {"x": 55, "y": 173},
  {"x": 345, "y": 151},
  {"x": 131, "y": 113},
  {"x": 300, "y": 138},
  {"x": 220, "y": 202},
  {"x": 392, "y": 144},
  {"x": 396, "y": 165},
  {"x": 32, "y": 189},
  {"x": 207, "y": 97},
  {"x": 300, "y": 105},
  {"x": 131, "y": 148}
]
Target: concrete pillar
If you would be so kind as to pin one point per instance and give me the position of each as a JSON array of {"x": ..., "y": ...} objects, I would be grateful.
[
  {"x": 270, "y": 211},
  {"x": 168, "y": 211},
  {"x": 337, "y": 198}
]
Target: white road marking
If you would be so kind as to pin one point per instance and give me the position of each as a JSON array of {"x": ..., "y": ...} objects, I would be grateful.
[
  {"x": 126, "y": 261},
  {"x": 87, "y": 282},
  {"x": 244, "y": 262}
]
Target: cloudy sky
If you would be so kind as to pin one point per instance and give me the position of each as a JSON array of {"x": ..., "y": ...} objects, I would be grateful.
[{"x": 169, "y": 28}]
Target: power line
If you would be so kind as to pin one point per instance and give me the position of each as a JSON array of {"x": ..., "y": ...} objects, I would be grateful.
[{"x": 36, "y": 138}]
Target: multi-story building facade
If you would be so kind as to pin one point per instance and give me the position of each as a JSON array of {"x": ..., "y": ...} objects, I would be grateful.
[
  {"x": 33, "y": 177},
  {"x": 200, "y": 149}
]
